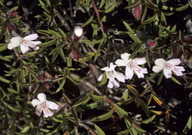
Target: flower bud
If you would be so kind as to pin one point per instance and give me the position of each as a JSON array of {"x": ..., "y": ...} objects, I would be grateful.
[{"x": 78, "y": 31}]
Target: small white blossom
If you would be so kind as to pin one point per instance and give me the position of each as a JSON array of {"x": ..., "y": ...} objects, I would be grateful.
[
  {"x": 24, "y": 43},
  {"x": 111, "y": 75},
  {"x": 132, "y": 65},
  {"x": 78, "y": 31},
  {"x": 168, "y": 66},
  {"x": 44, "y": 105}
]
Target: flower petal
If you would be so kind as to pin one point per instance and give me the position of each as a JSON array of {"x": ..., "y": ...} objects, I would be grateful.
[
  {"x": 11, "y": 46},
  {"x": 125, "y": 56},
  {"x": 31, "y": 37},
  {"x": 116, "y": 83},
  {"x": 35, "y": 102},
  {"x": 139, "y": 73},
  {"x": 41, "y": 97},
  {"x": 180, "y": 68},
  {"x": 110, "y": 84},
  {"x": 34, "y": 43},
  {"x": 160, "y": 62},
  {"x": 140, "y": 61},
  {"x": 47, "y": 113},
  {"x": 106, "y": 69},
  {"x": 39, "y": 109},
  {"x": 119, "y": 76},
  {"x": 174, "y": 61},
  {"x": 16, "y": 40},
  {"x": 167, "y": 73},
  {"x": 128, "y": 73},
  {"x": 52, "y": 105},
  {"x": 120, "y": 62},
  {"x": 100, "y": 77},
  {"x": 157, "y": 68},
  {"x": 24, "y": 48},
  {"x": 112, "y": 66}
]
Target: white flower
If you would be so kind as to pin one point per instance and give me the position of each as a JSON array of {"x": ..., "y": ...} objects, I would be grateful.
[
  {"x": 168, "y": 66},
  {"x": 44, "y": 105},
  {"x": 132, "y": 66},
  {"x": 24, "y": 43},
  {"x": 111, "y": 75},
  {"x": 78, "y": 31}
]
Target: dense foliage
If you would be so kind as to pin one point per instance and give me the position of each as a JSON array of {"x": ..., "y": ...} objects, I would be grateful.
[{"x": 92, "y": 67}]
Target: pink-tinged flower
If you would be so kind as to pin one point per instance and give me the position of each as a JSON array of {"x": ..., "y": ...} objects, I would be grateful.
[
  {"x": 131, "y": 66},
  {"x": 44, "y": 105},
  {"x": 24, "y": 43},
  {"x": 168, "y": 66},
  {"x": 111, "y": 75}
]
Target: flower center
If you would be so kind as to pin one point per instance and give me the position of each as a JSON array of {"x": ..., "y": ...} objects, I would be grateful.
[
  {"x": 132, "y": 64},
  {"x": 168, "y": 66},
  {"x": 110, "y": 74},
  {"x": 26, "y": 42},
  {"x": 44, "y": 105}
]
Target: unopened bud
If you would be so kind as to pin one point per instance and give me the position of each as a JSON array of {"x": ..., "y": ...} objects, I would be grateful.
[{"x": 78, "y": 31}]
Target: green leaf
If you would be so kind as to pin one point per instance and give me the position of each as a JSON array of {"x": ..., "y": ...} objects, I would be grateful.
[
  {"x": 104, "y": 79},
  {"x": 182, "y": 8},
  {"x": 25, "y": 129},
  {"x": 43, "y": 5},
  {"x": 44, "y": 32},
  {"x": 148, "y": 61},
  {"x": 102, "y": 3},
  {"x": 149, "y": 120},
  {"x": 49, "y": 43},
  {"x": 159, "y": 102},
  {"x": 133, "y": 90},
  {"x": 134, "y": 38},
  {"x": 120, "y": 111},
  {"x": 109, "y": 9},
  {"x": 11, "y": 108},
  {"x": 137, "y": 3},
  {"x": 3, "y": 47},
  {"x": 96, "y": 98},
  {"x": 88, "y": 21},
  {"x": 125, "y": 95},
  {"x": 128, "y": 27},
  {"x": 175, "y": 80},
  {"x": 160, "y": 78},
  {"x": 4, "y": 80},
  {"x": 103, "y": 117},
  {"x": 82, "y": 101},
  {"x": 62, "y": 32},
  {"x": 140, "y": 130},
  {"x": 99, "y": 130},
  {"x": 55, "y": 34},
  {"x": 153, "y": 76},
  {"x": 149, "y": 20},
  {"x": 145, "y": 91},
  {"x": 188, "y": 126},
  {"x": 12, "y": 91},
  {"x": 145, "y": 108},
  {"x": 124, "y": 132},
  {"x": 61, "y": 85}
]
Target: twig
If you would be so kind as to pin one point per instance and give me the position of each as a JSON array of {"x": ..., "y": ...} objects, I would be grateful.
[
  {"x": 98, "y": 17},
  {"x": 87, "y": 128}
]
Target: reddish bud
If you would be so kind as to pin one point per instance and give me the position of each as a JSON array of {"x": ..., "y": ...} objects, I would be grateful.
[
  {"x": 10, "y": 28},
  {"x": 74, "y": 55},
  {"x": 12, "y": 13},
  {"x": 137, "y": 12}
]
